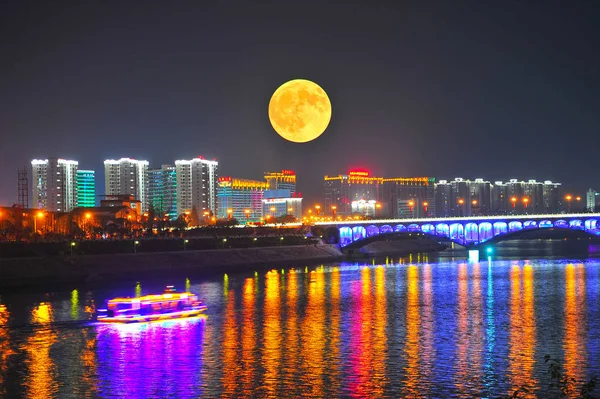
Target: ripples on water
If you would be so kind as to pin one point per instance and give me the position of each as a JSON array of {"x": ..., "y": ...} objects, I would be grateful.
[{"x": 447, "y": 329}]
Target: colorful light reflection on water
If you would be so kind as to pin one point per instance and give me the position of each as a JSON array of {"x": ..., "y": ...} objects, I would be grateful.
[{"x": 399, "y": 329}]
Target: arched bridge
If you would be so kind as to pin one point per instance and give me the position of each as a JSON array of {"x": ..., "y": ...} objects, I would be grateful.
[{"x": 467, "y": 231}]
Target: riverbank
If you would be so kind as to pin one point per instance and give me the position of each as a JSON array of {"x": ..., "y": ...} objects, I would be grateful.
[{"x": 45, "y": 271}]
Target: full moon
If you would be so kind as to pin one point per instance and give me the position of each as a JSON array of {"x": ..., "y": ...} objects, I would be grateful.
[{"x": 300, "y": 110}]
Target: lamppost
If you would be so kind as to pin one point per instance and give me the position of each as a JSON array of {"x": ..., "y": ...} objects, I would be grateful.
[
  {"x": 135, "y": 244},
  {"x": 514, "y": 202},
  {"x": 333, "y": 209},
  {"x": 88, "y": 216},
  {"x": 578, "y": 199},
  {"x": 224, "y": 241},
  {"x": 318, "y": 208},
  {"x": 72, "y": 245},
  {"x": 37, "y": 215},
  {"x": 525, "y": 203},
  {"x": 569, "y": 198},
  {"x": 473, "y": 205},
  {"x": 411, "y": 205},
  {"x": 378, "y": 209},
  {"x": 425, "y": 205},
  {"x": 229, "y": 213},
  {"x": 460, "y": 207},
  {"x": 247, "y": 212},
  {"x": 272, "y": 209},
  {"x": 185, "y": 244}
]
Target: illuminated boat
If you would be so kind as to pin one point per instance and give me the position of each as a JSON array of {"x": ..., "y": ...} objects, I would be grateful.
[{"x": 170, "y": 305}]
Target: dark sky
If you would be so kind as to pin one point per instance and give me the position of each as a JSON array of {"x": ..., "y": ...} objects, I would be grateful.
[{"x": 455, "y": 88}]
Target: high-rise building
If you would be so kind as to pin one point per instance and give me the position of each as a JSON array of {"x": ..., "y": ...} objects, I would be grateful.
[
  {"x": 240, "y": 198},
  {"x": 54, "y": 184},
  {"x": 196, "y": 185},
  {"x": 86, "y": 188},
  {"x": 362, "y": 189},
  {"x": 162, "y": 191},
  {"x": 127, "y": 176},
  {"x": 481, "y": 197},
  {"x": 592, "y": 200},
  {"x": 281, "y": 202},
  {"x": 455, "y": 198},
  {"x": 284, "y": 180}
]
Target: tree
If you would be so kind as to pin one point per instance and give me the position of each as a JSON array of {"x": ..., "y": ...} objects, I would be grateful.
[
  {"x": 151, "y": 216},
  {"x": 194, "y": 219}
]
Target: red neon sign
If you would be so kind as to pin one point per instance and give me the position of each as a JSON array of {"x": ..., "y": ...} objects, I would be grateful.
[{"x": 359, "y": 173}]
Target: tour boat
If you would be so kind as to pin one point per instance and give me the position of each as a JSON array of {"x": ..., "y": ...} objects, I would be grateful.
[{"x": 170, "y": 305}]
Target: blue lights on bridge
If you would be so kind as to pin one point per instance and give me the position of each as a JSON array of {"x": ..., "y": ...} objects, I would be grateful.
[{"x": 464, "y": 231}]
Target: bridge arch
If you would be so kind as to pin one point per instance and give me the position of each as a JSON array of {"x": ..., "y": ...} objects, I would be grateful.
[
  {"x": 400, "y": 227},
  {"x": 428, "y": 228},
  {"x": 358, "y": 233},
  {"x": 485, "y": 231},
  {"x": 345, "y": 236},
  {"x": 530, "y": 224},
  {"x": 457, "y": 232},
  {"x": 414, "y": 227},
  {"x": 590, "y": 224},
  {"x": 561, "y": 224},
  {"x": 442, "y": 229},
  {"x": 576, "y": 224},
  {"x": 515, "y": 226},
  {"x": 545, "y": 224},
  {"x": 500, "y": 228},
  {"x": 386, "y": 228},
  {"x": 372, "y": 230},
  {"x": 471, "y": 232}
]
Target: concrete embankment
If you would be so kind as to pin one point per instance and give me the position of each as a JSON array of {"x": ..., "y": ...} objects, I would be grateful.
[{"x": 94, "y": 268}]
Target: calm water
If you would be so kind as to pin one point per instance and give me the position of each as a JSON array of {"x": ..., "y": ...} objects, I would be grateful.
[{"x": 445, "y": 329}]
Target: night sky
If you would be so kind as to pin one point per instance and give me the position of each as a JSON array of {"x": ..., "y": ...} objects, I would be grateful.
[{"x": 455, "y": 88}]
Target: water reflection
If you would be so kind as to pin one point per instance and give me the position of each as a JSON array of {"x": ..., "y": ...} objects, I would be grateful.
[
  {"x": 522, "y": 332},
  {"x": 413, "y": 324},
  {"x": 41, "y": 374},
  {"x": 272, "y": 335},
  {"x": 159, "y": 359},
  {"x": 5, "y": 349},
  {"x": 575, "y": 317},
  {"x": 248, "y": 341},
  {"x": 410, "y": 330}
]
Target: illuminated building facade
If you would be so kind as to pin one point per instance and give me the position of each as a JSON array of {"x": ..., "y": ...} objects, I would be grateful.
[
  {"x": 163, "y": 191},
  {"x": 461, "y": 197},
  {"x": 278, "y": 203},
  {"x": 197, "y": 185},
  {"x": 592, "y": 200},
  {"x": 127, "y": 176},
  {"x": 54, "y": 184},
  {"x": 360, "y": 188},
  {"x": 86, "y": 188},
  {"x": 240, "y": 199},
  {"x": 284, "y": 180}
]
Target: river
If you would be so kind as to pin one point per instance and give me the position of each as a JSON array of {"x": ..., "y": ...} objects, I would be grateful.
[{"x": 414, "y": 327}]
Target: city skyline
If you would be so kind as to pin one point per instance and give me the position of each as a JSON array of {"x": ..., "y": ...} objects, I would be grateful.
[{"x": 413, "y": 92}]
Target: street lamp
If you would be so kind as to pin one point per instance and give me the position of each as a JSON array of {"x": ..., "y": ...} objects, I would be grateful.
[
  {"x": 88, "y": 216},
  {"x": 514, "y": 201},
  {"x": 569, "y": 198},
  {"x": 224, "y": 241},
  {"x": 37, "y": 215},
  {"x": 318, "y": 208},
  {"x": 184, "y": 244},
  {"x": 425, "y": 205},
  {"x": 247, "y": 212},
  {"x": 229, "y": 212},
  {"x": 578, "y": 199},
  {"x": 411, "y": 204},
  {"x": 525, "y": 202},
  {"x": 72, "y": 245},
  {"x": 135, "y": 244},
  {"x": 378, "y": 208},
  {"x": 333, "y": 209},
  {"x": 272, "y": 211}
]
